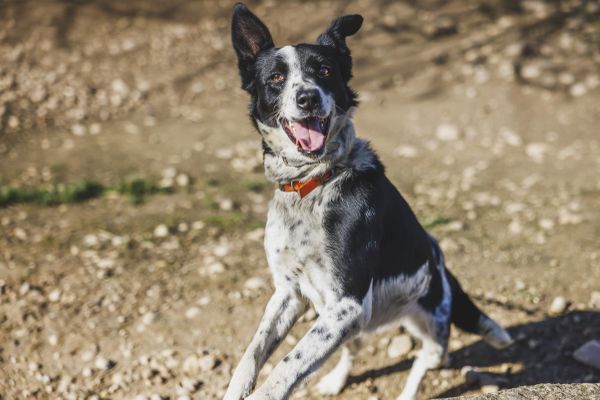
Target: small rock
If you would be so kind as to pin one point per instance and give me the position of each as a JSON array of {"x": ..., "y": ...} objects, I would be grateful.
[
  {"x": 183, "y": 180},
  {"x": 78, "y": 130},
  {"x": 406, "y": 151},
  {"x": 95, "y": 129},
  {"x": 191, "y": 365},
  {"x": 558, "y": 306},
  {"x": 54, "y": 295},
  {"x": 207, "y": 362},
  {"x": 192, "y": 312},
  {"x": 190, "y": 385},
  {"x": 589, "y": 354},
  {"x": 88, "y": 355},
  {"x": 578, "y": 90},
  {"x": 198, "y": 225},
  {"x": 595, "y": 299},
  {"x": 226, "y": 204},
  {"x": 103, "y": 363},
  {"x": 149, "y": 317},
  {"x": 256, "y": 235},
  {"x": 33, "y": 366},
  {"x": 255, "y": 283},
  {"x": 399, "y": 346},
  {"x": 215, "y": 268},
  {"x": 161, "y": 231},
  {"x": 447, "y": 132},
  {"x": 487, "y": 389},
  {"x": 536, "y": 151},
  {"x": 90, "y": 240},
  {"x": 20, "y": 234}
]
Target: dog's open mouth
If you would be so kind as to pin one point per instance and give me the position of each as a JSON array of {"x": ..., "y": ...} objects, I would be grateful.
[{"x": 308, "y": 134}]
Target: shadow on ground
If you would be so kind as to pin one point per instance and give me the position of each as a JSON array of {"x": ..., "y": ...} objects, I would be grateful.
[{"x": 542, "y": 349}]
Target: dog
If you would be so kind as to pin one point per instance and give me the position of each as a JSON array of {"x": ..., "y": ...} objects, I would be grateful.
[{"x": 338, "y": 233}]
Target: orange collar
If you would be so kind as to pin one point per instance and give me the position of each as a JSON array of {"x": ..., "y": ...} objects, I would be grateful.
[{"x": 305, "y": 187}]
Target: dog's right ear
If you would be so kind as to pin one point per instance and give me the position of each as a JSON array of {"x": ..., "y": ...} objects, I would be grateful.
[{"x": 250, "y": 37}]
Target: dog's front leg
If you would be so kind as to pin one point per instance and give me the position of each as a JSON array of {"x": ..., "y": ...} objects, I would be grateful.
[
  {"x": 282, "y": 311},
  {"x": 336, "y": 323}
]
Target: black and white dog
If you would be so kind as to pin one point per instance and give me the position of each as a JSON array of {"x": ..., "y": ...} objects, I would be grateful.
[{"x": 338, "y": 232}]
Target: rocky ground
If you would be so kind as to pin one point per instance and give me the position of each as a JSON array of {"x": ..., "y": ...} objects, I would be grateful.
[{"x": 485, "y": 113}]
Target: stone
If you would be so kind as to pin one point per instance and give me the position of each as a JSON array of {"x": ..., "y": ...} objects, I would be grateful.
[
  {"x": 161, "y": 231},
  {"x": 207, "y": 362},
  {"x": 54, "y": 295},
  {"x": 558, "y": 306},
  {"x": 192, "y": 312},
  {"x": 255, "y": 283},
  {"x": 399, "y": 345},
  {"x": 595, "y": 299},
  {"x": 589, "y": 354},
  {"x": 447, "y": 132},
  {"x": 103, "y": 363},
  {"x": 183, "y": 180}
]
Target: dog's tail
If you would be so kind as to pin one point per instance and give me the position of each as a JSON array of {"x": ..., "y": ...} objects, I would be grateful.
[{"x": 468, "y": 317}]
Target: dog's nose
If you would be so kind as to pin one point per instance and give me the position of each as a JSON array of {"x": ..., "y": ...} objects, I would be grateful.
[{"x": 308, "y": 99}]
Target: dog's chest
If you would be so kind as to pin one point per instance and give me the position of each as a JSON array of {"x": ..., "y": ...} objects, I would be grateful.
[{"x": 295, "y": 244}]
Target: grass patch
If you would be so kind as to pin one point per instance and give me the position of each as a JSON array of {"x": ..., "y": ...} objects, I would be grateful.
[
  {"x": 137, "y": 190},
  {"x": 53, "y": 195},
  {"x": 255, "y": 186},
  {"x": 430, "y": 223},
  {"x": 226, "y": 221}
]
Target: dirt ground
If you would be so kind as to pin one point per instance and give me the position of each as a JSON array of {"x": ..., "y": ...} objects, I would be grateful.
[{"x": 485, "y": 113}]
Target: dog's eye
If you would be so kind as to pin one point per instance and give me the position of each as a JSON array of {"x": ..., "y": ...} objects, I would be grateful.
[
  {"x": 276, "y": 78},
  {"x": 325, "y": 71}
]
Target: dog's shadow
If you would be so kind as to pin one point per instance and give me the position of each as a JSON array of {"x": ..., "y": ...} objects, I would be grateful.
[{"x": 543, "y": 350}]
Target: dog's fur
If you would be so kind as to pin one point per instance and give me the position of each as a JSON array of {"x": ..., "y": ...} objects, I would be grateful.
[{"x": 352, "y": 246}]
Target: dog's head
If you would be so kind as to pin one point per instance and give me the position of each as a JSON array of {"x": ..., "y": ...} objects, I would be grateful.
[{"x": 300, "y": 98}]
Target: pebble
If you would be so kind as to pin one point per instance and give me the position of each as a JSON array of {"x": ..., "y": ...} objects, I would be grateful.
[
  {"x": 406, "y": 151},
  {"x": 207, "y": 362},
  {"x": 558, "y": 306},
  {"x": 226, "y": 204},
  {"x": 183, "y": 180},
  {"x": 54, "y": 295},
  {"x": 595, "y": 299},
  {"x": 161, "y": 231},
  {"x": 192, "y": 312},
  {"x": 191, "y": 364},
  {"x": 536, "y": 151},
  {"x": 149, "y": 317},
  {"x": 589, "y": 354},
  {"x": 447, "y": 132},
  {"x": 487, "y": 389},
  {"x": 255, "y": 283},
  {"x": 215, "y": 268},
  {"x": 103, "y": 363},
  {"x": 399, "y": 345},
  {"x": 78, "y": 130}
]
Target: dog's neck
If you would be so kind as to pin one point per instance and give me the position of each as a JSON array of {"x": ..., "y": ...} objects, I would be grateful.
[
  {"x": 280, "y": 170},
  {"x": 353, "y": 153}
]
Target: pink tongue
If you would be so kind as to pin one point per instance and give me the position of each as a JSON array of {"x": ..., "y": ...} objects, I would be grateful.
[{"x": 308, "y": 134}]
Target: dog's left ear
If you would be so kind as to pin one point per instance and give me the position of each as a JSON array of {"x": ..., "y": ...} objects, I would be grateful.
[
  {"x": 250, "y": 37},
  {"x": 335, "y": 36}
]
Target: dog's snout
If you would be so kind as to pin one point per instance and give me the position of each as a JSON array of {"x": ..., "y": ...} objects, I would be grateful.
[{"x": 308, "y": 99}]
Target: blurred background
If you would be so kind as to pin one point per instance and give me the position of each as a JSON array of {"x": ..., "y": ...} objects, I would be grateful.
[{"x": 132, "y": 197}]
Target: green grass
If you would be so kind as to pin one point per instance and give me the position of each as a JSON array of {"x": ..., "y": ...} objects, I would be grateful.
[
  {"x": 52, "y": 195},
  {"x": 430, "y": 223}
]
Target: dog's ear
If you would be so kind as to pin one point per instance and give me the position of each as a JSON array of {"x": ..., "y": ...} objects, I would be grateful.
[
  {"x": 335, "y": 35},
  {"x": 250, "y": 37}
]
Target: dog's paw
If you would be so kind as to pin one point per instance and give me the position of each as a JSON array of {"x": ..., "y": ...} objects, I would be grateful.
[{"x": 331, "y": 384}]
